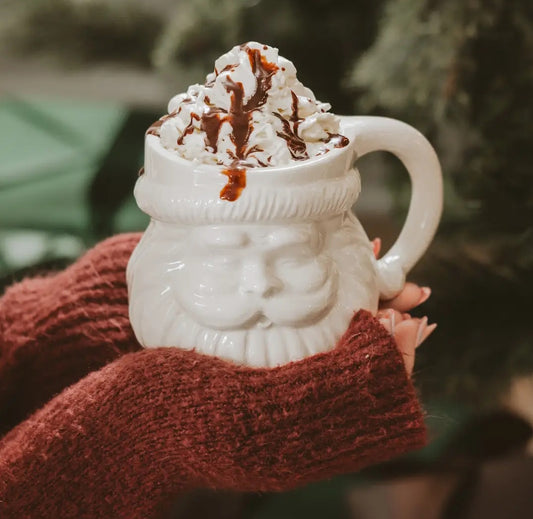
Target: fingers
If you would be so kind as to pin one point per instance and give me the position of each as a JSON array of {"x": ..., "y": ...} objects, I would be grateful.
[
  {"x": 389, "y": 318},
  {"x": 411, "y": 296},
  {"x": 408, "y": 333}
]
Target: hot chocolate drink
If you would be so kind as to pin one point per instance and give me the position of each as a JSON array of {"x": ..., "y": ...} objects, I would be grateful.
[{"x": 251, "y": 112}]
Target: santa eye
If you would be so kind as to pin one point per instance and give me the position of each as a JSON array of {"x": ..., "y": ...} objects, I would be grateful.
[
  {"x": 291, "y": 262},
  {"x": 221, "y": 262}
]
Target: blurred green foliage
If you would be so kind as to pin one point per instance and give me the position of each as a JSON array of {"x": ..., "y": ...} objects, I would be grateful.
[{"x": 46, "y": 178}]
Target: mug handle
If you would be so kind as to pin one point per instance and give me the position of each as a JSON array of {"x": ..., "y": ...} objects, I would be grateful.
[{"x": 419, "y": 158}]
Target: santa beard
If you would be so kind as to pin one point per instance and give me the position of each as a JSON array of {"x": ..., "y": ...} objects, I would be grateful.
[{"x": 158, "y": 320}]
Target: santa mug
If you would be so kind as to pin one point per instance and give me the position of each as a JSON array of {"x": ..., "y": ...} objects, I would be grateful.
[{"x": 277, "y": 274}]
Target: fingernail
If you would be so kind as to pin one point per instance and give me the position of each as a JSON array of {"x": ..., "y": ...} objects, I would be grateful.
[
  {"x": 421, "y": 329},
  {"x": 376, "y": 245},
  {"x": 430, "y": 329},
  {"x": 424, "y": 296}
]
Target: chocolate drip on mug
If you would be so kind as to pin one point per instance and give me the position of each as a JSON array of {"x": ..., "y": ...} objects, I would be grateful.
[{"x": 236, "y": 183}]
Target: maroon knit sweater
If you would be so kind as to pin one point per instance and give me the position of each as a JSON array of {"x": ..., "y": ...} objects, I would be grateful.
[{"x": 94, "y": 426}]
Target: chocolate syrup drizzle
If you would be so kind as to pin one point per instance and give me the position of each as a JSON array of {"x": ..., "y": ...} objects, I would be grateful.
[
  {"x": 339, "y": 141},
  {"x": 155, "y": 127},
  {"x": 239, "y": 117},
  {"x": 295, "y": 143},
  {"x": 189, "y": 128}
]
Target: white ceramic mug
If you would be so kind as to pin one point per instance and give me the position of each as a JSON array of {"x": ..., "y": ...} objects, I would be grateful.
[{"x": 276, "y": 275}]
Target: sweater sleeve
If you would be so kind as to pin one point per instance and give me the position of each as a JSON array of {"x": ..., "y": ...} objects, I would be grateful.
[
  {"x": 125, "y": 440},
  {"x": 57, "y": 328}
]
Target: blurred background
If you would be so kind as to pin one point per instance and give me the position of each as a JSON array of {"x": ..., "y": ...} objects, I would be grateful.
[{"x": 81, "y": 80}]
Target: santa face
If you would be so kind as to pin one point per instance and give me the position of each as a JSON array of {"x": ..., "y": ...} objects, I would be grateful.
[
  {"x": 240, "y": 276},
  {"x": 258, "y": 294}
]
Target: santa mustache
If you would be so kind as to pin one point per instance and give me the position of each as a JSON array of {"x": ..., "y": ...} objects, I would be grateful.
[{"x": 224, "y": 312}]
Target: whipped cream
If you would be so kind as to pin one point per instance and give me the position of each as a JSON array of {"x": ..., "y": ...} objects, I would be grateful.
[
  {"x": 251, "y": 112},
  {"x": 286, "y": 121}
]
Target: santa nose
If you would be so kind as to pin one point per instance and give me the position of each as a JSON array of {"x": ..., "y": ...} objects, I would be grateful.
[{"x": 258, "y": 279}]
